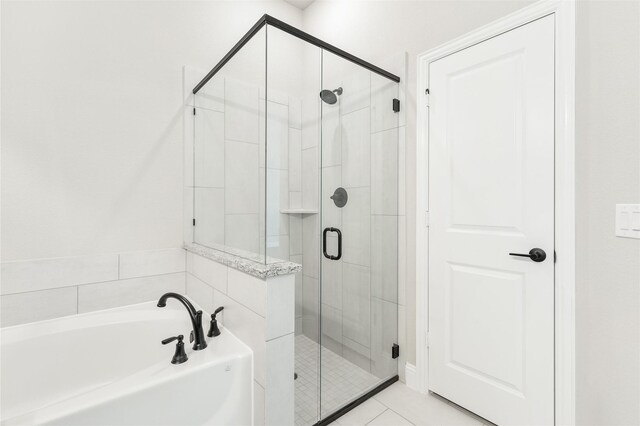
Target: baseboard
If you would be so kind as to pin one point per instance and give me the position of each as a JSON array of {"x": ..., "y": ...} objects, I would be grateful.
[{"x": 411, "y": 377}]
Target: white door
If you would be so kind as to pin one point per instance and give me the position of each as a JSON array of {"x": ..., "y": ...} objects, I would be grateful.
[{"x": 491, "y": 193}]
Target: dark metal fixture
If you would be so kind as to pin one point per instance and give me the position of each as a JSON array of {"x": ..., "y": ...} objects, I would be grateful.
[
  {"x": 340, "y": 197},
  {"x": 324, "y": 243},
  {"x": 270, "y": 20},
  {"x": 396, "y": 105},
  {"x": 196, "y": 319},
  {"x": 179, "y": 356},
  {"x": 395, "y": 351},
  {"x": 329, "y": 96},
  {"x": 213, "y": 326},
  {"x": 535, "y": 254}
]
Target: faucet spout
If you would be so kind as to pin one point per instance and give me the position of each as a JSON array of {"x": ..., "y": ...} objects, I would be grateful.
[{"x": 195, "y": 316}]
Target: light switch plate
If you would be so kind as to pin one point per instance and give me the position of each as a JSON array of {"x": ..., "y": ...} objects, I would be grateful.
[{"x": 628, "y": 220}]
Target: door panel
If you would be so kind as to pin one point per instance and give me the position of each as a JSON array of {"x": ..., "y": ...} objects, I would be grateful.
[{"x": 491, "y": 174}]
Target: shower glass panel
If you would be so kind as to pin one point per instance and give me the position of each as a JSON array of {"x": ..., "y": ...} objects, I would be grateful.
[
  {"x": 359, "y": 215},
  {"x": 229, "y": 171},
  {"x": 295, "y": 159}
]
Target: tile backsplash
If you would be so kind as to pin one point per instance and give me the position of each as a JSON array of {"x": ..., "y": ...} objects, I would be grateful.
[{"x": 40, "y": 289}]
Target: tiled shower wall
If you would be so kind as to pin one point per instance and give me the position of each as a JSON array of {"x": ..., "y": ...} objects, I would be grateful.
[
  {"x": 228, "y": 182},
  {"x": 40, "y": 289}
]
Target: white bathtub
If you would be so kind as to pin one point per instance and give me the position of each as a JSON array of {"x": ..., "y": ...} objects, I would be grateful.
[{"x": 109, "y": 368}]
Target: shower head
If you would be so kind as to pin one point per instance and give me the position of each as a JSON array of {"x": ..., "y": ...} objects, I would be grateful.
[{"x": 329, "y": 96}]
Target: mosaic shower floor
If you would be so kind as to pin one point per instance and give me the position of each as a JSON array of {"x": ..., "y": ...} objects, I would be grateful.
[{"x": 342, "y": 381}]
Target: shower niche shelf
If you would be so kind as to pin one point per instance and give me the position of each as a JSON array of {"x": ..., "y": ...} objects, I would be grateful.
[{"x": 299, "y": 211}]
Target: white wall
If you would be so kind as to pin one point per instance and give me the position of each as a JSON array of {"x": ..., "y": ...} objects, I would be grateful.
[
  {"x": 377, "y": 32},
  {"x": 92, "y": 118},
  {"x": 608, "y": 172}
]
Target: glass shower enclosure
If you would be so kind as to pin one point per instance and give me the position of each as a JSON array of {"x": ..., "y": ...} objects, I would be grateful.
[{"x": 296, "y": 159}]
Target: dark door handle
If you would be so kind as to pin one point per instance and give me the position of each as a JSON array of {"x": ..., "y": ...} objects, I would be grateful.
[
  {"x": 535, "y": 254},
  {"x": 324, "y": 243}
]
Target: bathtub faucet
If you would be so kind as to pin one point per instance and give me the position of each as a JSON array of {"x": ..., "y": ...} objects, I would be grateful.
[{"x": 196, "y": 318}]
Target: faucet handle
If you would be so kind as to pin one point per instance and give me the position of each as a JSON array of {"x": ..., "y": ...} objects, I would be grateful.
[
  {"x": 179, "y": 356},
  {"x": 216, "y": 312},
  {"x": 171, "y": 339},
  {"x": 213, "y": 326}
]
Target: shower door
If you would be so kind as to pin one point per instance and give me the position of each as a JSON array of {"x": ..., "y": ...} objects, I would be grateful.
[{"x": 359, "y": 226}]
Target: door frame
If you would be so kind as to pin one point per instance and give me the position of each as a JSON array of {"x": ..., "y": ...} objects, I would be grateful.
[{"x": 564, "y": 233}]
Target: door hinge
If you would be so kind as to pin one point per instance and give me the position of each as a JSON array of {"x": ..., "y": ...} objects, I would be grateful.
[
  {"x": 396, "y": 105},
  {"x": 194, "y": 110},
  {"x": 426, "y": 95},
  {"x": 555, "y": 257},
  {"x": 426, "y": 339},
  {"x": 395, "y": 351},
  {"x": 194, "y": 221},
  {"x": 426, "y": 219}
]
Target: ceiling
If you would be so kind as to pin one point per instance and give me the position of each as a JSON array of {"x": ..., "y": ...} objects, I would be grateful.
[{"x": 300, "y": 4}]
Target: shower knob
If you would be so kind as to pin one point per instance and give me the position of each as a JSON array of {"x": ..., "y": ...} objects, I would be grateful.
[{"x": 340, "y": 197}]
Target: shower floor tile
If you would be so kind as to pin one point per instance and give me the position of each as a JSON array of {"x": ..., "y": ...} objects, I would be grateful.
[{"x": 342, "y": 381}]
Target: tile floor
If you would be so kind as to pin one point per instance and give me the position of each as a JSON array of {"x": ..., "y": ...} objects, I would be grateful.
[
  {"x": 398, "y": 405},
  {"x": 342, "y": 381},
  {"x": 395, "y": 406}
]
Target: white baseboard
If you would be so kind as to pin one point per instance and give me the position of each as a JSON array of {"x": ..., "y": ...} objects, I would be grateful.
[{"x": 411, "y": 377}]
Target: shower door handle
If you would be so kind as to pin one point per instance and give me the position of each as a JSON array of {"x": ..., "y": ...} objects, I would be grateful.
[{"x": 324, "y": 243}]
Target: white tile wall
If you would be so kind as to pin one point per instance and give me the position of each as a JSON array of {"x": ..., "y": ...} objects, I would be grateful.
[
  {"x": 40, "y": 305},
  {"x": 295, "y": 113},
  {"x": 280, "y": 295},
  {"x": 310, "y": 247},
  {"x": 295, "y": 160},
  {"x": 383, "y": 91},
  {"x": 357, "y": 89},
  {"x": 356, "y": 294},
  {"x": 242, "y": 232},
  {"x": 279, "y": 392},
  {"x": 310, "y": 176},
  {"x": 356, "y": 227},
  {"x": 277, "y": 136},
  {"x": 209, "y": 211},
  {"x": 242, "y": 179},
  {"x": 384, "y": 257},
  {"x": 356, "y": 149},
  {"x": 260, "y": 313},
  {"x": 66, "y": 286},
  {"x": 200, "y": 293},
  {"x": 241, "y": 118},
  {"x": 208, "y": 271},
  {"x": 384, "y": 333},
  {"x": 384, "y": 182},
  {"x": 145, "y": 263},
  {"x": 258, "y": 404},
  {"x": 295, "y": 235},
  {"x": 332, "y": 279},
  {"x": 41, "y": 274},
  {"x": 277, "y": 200},
  {"x": 93, "y": 297},
  {"x": 331, "y": 136},
  {"x": 249, "y": 290},
  {"x": 310, "y": 307},
  {"x": 331, "y": 180}
]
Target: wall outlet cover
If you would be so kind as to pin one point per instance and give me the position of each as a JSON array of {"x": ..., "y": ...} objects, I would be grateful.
[{"x": 628, "y": 220}]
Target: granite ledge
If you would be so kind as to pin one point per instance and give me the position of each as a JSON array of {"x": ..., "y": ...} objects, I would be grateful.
[{"x": 253, "y": 267}]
